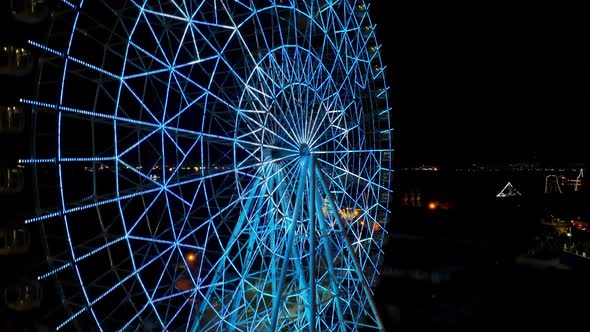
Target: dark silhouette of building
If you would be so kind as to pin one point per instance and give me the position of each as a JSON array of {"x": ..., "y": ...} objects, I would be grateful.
[{"x": 21, "y": 254}]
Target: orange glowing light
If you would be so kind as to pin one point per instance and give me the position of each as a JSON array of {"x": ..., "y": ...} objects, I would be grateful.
[
  {"x": 432, "y": 205},
  {"x": 349, "y": 213},
  {"x": 184, "y": 284},
  {"x": 191, "y": 257}
]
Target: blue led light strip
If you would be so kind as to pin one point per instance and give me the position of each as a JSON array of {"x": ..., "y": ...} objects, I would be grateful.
[
  {"x": 78, "y": 259},
  {"x": 65, "y": 160},
  {"x": 84, "y": 207}
]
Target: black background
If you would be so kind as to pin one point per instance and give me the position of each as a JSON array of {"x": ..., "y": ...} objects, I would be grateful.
[{"x": 486, "y": 81}]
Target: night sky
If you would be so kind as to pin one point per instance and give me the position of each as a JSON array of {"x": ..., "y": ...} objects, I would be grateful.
[{"x": 486, "y": 81}]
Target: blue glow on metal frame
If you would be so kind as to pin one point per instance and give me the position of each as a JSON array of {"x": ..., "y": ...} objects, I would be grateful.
[
  {"x": 67, "y": 210},
  {"x": 45, "y": 48},
  {"x": 80, "y": 258},
  {"x": 59, "y": 168},
  {"x": 65, "y": 160},
  {"x": 68, "y": 3},
  {"x": 297, "y": 135}
]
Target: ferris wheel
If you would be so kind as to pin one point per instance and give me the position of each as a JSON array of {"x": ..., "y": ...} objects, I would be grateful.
[{"x": 212, "y": 165}]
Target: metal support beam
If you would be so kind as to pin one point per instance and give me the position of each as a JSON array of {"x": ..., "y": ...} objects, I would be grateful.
[
  {"x": 312, "y": 248},
  {"x": 330, "y": 262},
  {"x": 278, "y": 299},
  {"x": 287, "y": 210},
  {"x": 352, "y": 252}
]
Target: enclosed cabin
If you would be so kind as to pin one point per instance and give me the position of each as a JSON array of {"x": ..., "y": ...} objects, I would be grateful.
[
  {"x": 29, "y": 11},
  {"x": 12, "y": 180},
  {"x": 23, "y": 296},
  {"x": 375, "y": 97},
  {"x": 15, "y": 61},
  {"x": 14, "y": 240},
  {"x": 12, "y": 120},
  {"x": 361, "y": 10}
]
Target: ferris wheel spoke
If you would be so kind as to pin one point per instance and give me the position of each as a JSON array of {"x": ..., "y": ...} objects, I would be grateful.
[
  {"x": 268, "y": 125},
  {"x": 178, "y": 147},
  {"x": 291, "y": 154},
  {"x": 308, "y": 92},
  {"x": 181, "y": 307},
  {"x": 340, "y": 135},
  {"x": 287, "y": 132},
  {"x": 211, "y": 139},
  {"x": 171, "y": 319},
  {"x": 268, "y": 130},
  {"x": 220, "y": 139},
  {"x": 292, "y": 112},
  {"x": 288, "y": 113},
  {"x": 74, "y": 59},
  {"x": 86, "y": 117},
  {"x": 81, "y": 257},
  {"x": 179, "y": 182},
  {"x": 368, "y": 181},
  {"x": 143, "y": 214},
  {"x": 72, "y": 209},
  {"x": 297, "y": 113},
  {"x": 91, "y": 114},
  {"x": 308, "y": 101},
  {"x": 266, "y": 83},
  {"x": 325, "y": 131},
  {"x": 312, "y": 130},
  {"x": 54, "y": 160},
  {"x": 142, "y": 74},
  {"x": 180, "y": 164}
]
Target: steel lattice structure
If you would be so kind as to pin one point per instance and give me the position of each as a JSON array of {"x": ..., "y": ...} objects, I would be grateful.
[{"x": 216, "y": 165}]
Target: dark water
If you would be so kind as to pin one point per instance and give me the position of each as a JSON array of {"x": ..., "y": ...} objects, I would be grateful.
[{"x": 460, "y": 267}]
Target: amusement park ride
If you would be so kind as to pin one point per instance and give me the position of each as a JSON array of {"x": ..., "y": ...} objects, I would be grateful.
[{"x": 208, "y": 165}]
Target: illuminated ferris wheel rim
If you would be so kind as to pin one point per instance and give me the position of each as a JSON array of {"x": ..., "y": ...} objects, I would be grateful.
[{"x": 349, "y": 167}]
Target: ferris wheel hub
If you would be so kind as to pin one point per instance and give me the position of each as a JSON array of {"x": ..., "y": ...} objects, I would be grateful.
[{"x": 304, "y": 150}]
